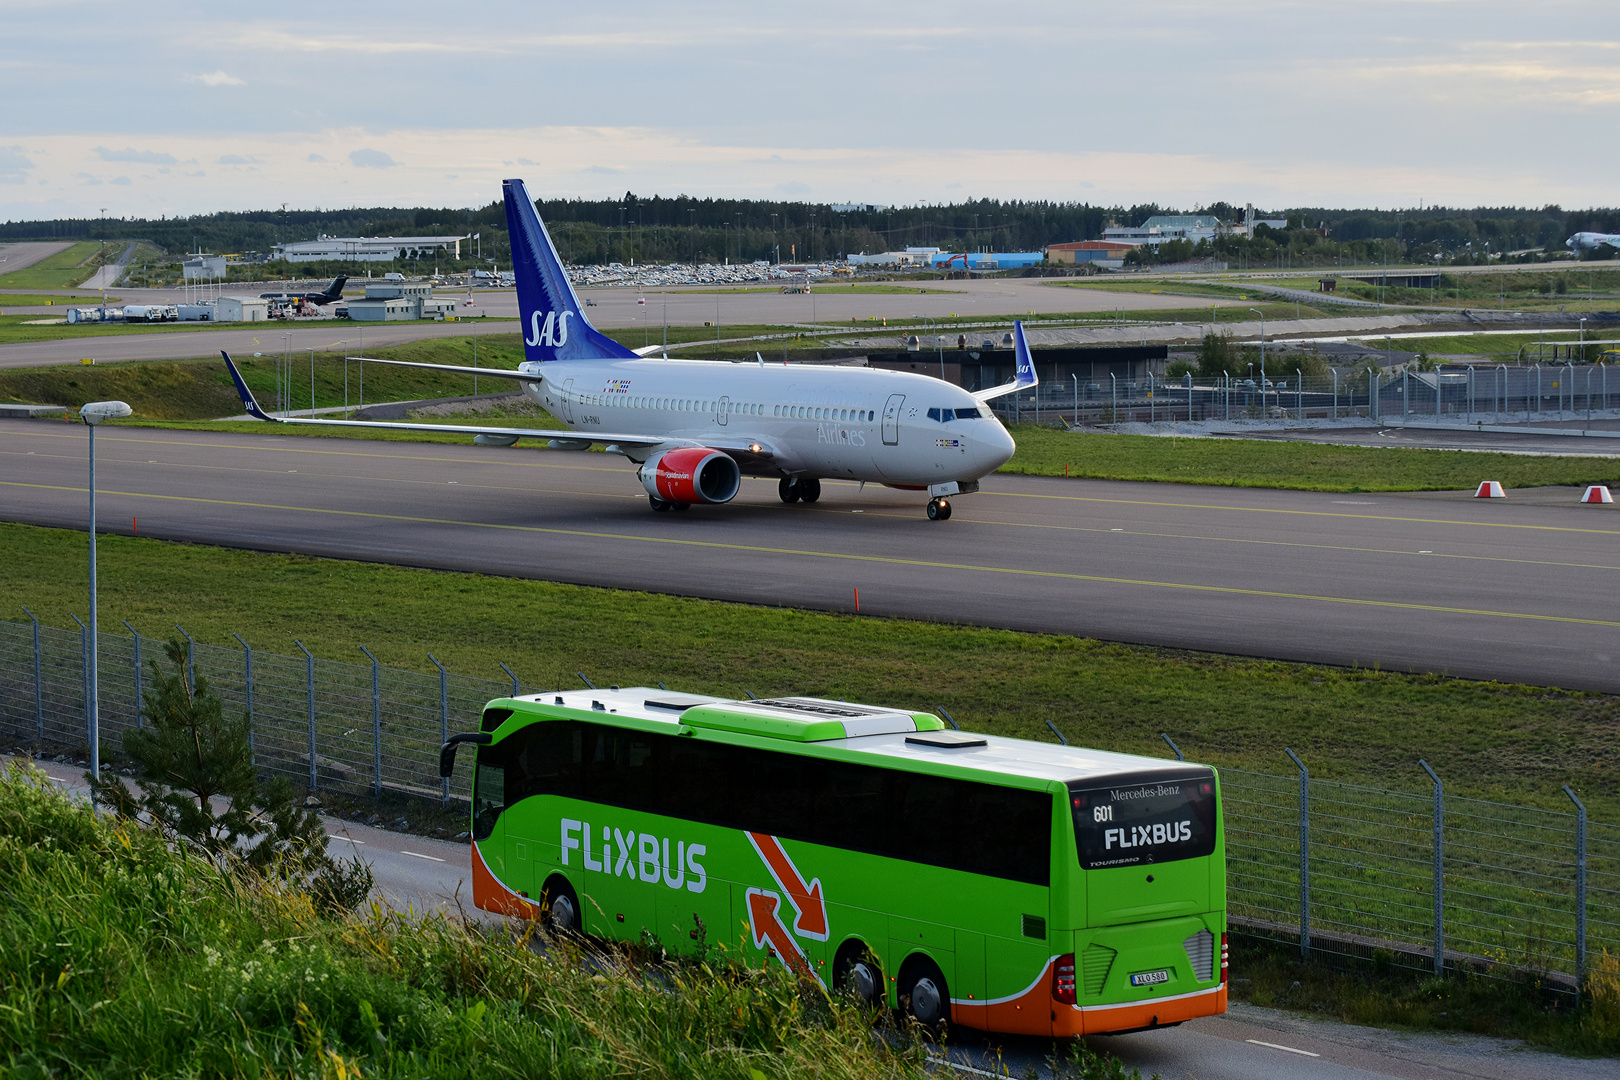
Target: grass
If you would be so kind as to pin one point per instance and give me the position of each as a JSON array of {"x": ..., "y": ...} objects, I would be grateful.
[
  {"x": 1568, "y": 288},
  {"x": 1505, "y": 348},
  {"x": 15, "y": 329},
  {"x": 1299, "y": 466},
  {"x": 1272, "y": 975},
  {"x": 1492, "y": 741},
  {"x": 65, "y": 269},
  {"x": 124, "y": 958}
]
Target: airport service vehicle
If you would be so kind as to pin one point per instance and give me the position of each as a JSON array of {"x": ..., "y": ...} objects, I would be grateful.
[
  {"x": 997, "y": 883},
  {"x": 695, "y": 427}
]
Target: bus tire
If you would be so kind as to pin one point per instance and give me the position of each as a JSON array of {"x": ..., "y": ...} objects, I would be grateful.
[
  {"x": 559, "y": 907},
  {"x": 923, "y": 993},
  {"x": 857, "y": 971}
]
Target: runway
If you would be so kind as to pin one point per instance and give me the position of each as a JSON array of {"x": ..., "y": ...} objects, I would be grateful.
[{"x": 1516, "y": 589}]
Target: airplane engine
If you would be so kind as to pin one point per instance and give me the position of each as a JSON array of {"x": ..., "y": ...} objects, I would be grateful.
[{"x": 691, "y": 474}]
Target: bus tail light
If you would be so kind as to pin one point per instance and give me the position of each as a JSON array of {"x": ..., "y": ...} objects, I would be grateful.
[
  {"x": 1063, "y": 980},
  {"x": 1223, "y": 956}
]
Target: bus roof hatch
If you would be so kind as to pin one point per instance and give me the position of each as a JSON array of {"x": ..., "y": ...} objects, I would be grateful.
[{"x": 803, "y": 719}]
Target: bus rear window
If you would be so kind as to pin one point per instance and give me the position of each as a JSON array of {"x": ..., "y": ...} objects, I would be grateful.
[{"x": 1144, "y": 818}]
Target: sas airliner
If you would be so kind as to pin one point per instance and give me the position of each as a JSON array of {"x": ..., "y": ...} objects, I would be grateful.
[{"x": 696, "y": 426}]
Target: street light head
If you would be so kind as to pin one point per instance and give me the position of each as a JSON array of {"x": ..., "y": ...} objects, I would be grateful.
[{"x": 97, "y": 411}]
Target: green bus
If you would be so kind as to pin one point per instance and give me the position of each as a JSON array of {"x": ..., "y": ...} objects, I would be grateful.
[{"x": 1001, "y": 884}]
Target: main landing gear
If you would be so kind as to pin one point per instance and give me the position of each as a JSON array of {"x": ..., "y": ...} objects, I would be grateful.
[
  {"x": 794, "y": 489},
  {"x": 939, "y": 510},
  {"x": 661, "y": 505}
]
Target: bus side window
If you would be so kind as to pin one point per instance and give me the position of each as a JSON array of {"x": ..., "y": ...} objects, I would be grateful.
[{"x": 489, "y": 796}]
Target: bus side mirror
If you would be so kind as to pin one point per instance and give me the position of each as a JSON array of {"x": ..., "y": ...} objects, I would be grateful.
[{"x": 447, "y": 752}]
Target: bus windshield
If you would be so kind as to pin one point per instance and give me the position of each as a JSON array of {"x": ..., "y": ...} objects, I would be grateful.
[{"x": 1144, "y": 818}]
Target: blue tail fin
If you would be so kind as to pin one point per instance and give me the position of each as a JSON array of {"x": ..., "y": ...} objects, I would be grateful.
[
  {"x": 1024, "y": 368},
  {"x": 554, "y": 326}
]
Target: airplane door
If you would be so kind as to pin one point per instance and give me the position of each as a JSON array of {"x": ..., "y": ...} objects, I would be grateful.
[
  {"x": 720, "y": 413},
  {"x": 568, "y": 401},
  {"x": 891, "y": 420}
]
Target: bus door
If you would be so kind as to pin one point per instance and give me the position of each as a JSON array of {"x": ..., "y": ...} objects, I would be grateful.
[
  {"x": 618, "y": 768},
  {"x": 891, "y": 419}
]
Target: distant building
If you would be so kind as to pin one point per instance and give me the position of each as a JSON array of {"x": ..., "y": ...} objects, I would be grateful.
[
  {"x": 200, "y": 267},
  {"x": 400, "y": 301},
  {"x": 369, "y": 248},
  {"x": 1104, "y": 254},
  {"x": 241, "y": 309},
  {"x": 1161, "y": 227}
]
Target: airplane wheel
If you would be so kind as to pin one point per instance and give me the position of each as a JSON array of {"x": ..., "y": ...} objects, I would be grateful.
[
  {"x": 788, "y": 489},
  {"x": 809, "y": 490},
  {"x": 658, "y": 504},
  {"x": 939, "y": 510},
  {"x": 681, "y": 508}
]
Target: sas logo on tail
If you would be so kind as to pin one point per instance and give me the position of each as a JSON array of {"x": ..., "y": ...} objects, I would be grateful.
[{"x": 553, "y": 332}]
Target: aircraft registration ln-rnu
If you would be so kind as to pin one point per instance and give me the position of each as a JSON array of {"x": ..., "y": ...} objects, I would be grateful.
[{"x": 696, "y": 426}]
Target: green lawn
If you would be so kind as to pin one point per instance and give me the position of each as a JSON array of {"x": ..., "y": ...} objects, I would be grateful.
[
  {"x": 88, "y": 299},
  {"x": 65, "y": 269},
  {"x": 1509, "y": 742},
  {"x": 14, "y": 329},
  {"x": 1298, "y": 465}
]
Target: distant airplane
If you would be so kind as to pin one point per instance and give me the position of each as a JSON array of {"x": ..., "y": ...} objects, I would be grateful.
[
  {"x": 696, "y": 426},
  {"x": 1589, "y": 241},
  {"x": 333, "y": 292}
]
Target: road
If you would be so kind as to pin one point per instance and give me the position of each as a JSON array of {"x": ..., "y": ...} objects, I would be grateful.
[
  {"x": 1516, "y": 589},
  {"x": 1248, "y": 1043}
]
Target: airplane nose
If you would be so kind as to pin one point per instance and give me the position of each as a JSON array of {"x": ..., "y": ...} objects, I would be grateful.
[{"x": 995, "y": 447}]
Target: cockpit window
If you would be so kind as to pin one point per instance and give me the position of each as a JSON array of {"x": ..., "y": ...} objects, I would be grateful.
[
  {"x": 945, "y": 416},
  {"x": 968, "y": 414}
]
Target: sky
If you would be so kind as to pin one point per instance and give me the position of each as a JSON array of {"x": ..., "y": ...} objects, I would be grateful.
[{"x": 143, "y": 110}]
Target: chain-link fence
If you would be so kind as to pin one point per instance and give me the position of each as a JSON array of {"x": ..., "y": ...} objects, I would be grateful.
[
  {"x": 1413, "y": 878},
  {"x": 1503, "y": 393}
]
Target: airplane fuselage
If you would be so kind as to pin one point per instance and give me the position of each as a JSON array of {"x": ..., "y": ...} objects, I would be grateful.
[{"x": 853, "y": 423}]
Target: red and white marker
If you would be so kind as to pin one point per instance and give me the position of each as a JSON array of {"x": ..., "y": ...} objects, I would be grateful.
[
  {"x": 1490, "y": 489},
  {"x": 1597, "y": 493}
]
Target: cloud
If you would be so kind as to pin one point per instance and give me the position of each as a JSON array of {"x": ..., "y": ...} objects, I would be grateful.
[
  {"x": 526, "y": 161},
  {"x": 121, "y": 181},
  {"x": 13, "y": 164},
  {"x": 316, "y": 159},
  {"x": 89, "y": 181},
  {"x": 598, "y": 170},
  {"x": 140, "y": 157},
  {"x": 371, "y": 159},
  {"x": 236, "y": 159},
  {"x": 199, "y": 172},
  {"x": 793, "y": 187},
  {"x": 216, "y": 78}
]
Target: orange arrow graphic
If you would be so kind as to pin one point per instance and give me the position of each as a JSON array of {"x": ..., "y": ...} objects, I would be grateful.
[
  {"x": 811, "y": 921},
  {"x": 766, "y": 927}
]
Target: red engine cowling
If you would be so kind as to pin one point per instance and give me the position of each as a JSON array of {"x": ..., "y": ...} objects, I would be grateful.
[{"x": 691, "y": 474}]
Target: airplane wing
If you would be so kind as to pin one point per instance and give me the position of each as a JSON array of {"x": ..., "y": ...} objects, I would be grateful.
[
  {"x": 1023, "y": 372},
  {"x": 564, "y": 438},
  {"x": 499, "y": 373}
]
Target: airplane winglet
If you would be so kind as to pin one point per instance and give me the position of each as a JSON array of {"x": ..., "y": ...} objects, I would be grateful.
[
  {"x": 249, "y": 404},
  {"x": 1024, "y": 368}
]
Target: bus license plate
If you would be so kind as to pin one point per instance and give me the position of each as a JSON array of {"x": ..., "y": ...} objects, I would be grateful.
[{"x": 1151, "y": 978}]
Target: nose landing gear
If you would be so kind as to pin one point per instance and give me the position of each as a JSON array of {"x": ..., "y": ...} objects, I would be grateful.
[{"x": 939, "y": 510}]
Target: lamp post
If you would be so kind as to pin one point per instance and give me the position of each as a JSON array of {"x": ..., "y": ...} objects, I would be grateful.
[
  {"x": 93, "y": 414},
  {"x": 1262, "y": 315}
]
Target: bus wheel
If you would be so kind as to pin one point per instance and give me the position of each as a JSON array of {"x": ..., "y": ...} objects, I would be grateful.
[
  {"x": 923, "y": 992},
  {"x": 559, "y": 907},
  {"x": 858, "y": 972}
]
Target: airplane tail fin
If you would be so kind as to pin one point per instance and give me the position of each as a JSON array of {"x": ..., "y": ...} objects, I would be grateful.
[
  {"x": 335, "y": 290},
  {"x": 554, "y": 324}
]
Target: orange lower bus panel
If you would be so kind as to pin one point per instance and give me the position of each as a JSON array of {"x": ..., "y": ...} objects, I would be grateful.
[
  {"x": 1033, "y": 1012},
  {"x": 490, "y": 895}
]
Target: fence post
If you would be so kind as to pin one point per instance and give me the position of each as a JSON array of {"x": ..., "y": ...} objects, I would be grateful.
[
  {"x": 1580, "y": 892},
  {"x": 1176, "y": 749},
  {"x": 581, "y": 675},
  {"x": 1304, "y": 854},
  {"x": 84, "y": 668},
  {"x": 1372, "y": 397},
  {"x": 948, "y": 718},
  {"x": 1335, "y": 393},
  {"x": 514, "y": 679},
  {"x": 444, "y": 722},
  {"x": 139, "y": 714},
  {"x": 1439, "y": 870},
  {"x": 247, "y": 678},
  {"x": 309, "y": 683},
  {"x": 191, "y": 656},
  {"x": 376, "y": 725},
  {"x": 1061, "y": 740},
  {"x": 39, "y": 688}
]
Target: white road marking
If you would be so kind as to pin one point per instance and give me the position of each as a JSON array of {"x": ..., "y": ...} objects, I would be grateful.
[
  {"x": 970, "y": 1070},
  {"x": 345, "y": 839},
  {"x": 1275, "y": 1046},
  {"x": 435, "y": 858},
  {"x": 1116, "y": 530}
]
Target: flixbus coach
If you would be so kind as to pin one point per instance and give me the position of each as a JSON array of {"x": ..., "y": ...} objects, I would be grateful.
[{"x": 1001, "y": 884}]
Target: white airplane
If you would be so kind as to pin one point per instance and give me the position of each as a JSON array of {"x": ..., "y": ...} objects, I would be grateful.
[
  {"x": 1586, "y": 241},
  {"x": 696, "y": 426}
]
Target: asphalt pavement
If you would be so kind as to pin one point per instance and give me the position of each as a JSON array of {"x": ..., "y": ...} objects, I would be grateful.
[
  {"x": 1514, "y": 589},
  {"x": 1247, "y": 1043},
  {"x": 19, "y": 256}
]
